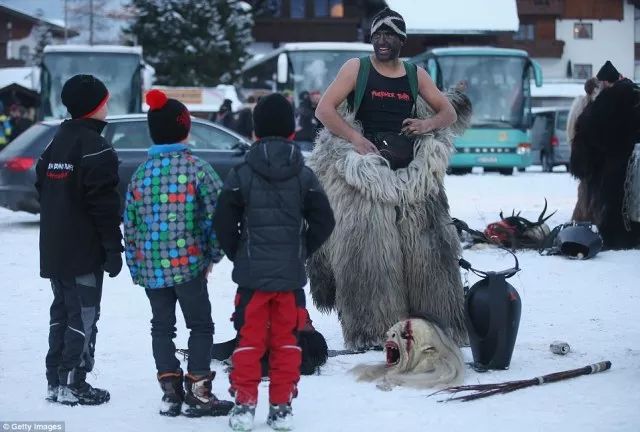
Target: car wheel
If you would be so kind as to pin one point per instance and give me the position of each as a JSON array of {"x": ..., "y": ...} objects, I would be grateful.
[
  {"x": 521, "y": 169},
  {"x": 506, "y": 171},
  {"x": 547, "y": 163}
]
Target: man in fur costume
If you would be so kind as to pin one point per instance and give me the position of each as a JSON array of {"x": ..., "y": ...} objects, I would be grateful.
[
  {"x": 582, "y": 211},
  {"x": 606, "y": 133},
  {"x": 394, "y": 251}
]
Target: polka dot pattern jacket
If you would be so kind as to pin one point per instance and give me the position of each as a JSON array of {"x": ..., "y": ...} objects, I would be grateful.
[{"x": 168, "y": 220}]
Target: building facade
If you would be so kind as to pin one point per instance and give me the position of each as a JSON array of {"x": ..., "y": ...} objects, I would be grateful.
[
  {"x": 571, "y": 39},
  {"x": 19, "y": 36}
]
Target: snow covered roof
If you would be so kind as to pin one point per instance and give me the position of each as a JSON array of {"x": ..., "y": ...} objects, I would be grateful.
[
  {"x": 24, "y": 76},
  {"x": 94, "y": 48},
  {"x": 56, "y": 23},
  {"x": 457, "y": 16}
]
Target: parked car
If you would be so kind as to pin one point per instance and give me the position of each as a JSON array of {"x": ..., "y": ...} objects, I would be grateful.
[
  {"x": 128, "y": 134},
  {"x": 549, "y": 145}
]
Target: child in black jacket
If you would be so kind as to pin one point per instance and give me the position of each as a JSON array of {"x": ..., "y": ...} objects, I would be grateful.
[
  {"x": 272, "y": 214},
  {"x": 80, "y": 238}
]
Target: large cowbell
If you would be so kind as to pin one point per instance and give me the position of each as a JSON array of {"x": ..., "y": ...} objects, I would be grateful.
[{"x": 492, "y": 311}]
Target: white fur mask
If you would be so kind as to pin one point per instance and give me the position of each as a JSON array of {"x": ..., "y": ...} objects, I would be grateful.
[{"x": 418, "y": 355}]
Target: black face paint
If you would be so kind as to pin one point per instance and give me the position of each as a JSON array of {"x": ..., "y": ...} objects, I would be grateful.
[{"x": 386, "y": 45}]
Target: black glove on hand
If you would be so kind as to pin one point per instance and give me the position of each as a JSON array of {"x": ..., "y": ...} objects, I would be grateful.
[{"x": 113, "y": 261}]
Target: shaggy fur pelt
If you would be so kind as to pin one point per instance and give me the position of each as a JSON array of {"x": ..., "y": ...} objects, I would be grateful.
[
  {"x": 583, "y": 210},
  {"x": 605, "y": 135},
  {"x": 419, "y": 354},
  {"x": 394, "y": 250}
]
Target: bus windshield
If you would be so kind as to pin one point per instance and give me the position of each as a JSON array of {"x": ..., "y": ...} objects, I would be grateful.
[
  {"x": 494, "y": 84},
  {"x": 314, "y": 70},
  {"x": 118, "y": 71}
]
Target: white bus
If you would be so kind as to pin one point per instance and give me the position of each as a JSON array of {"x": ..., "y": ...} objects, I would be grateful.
[
  {"x": 121, "y": 68},
  {"x": 297, "y": 67}
]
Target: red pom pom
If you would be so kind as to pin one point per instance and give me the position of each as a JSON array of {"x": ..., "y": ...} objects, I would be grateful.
[{"x": 156, "y": 99}]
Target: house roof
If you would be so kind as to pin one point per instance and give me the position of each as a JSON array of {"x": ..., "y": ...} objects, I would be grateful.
[
  {"x": 24, "y": 76},
  {"x": 457, "y": 16},
  {"x": 57, "y": 25}
]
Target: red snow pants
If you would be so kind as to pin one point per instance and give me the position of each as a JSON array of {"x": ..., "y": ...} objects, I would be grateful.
[{"x": 267, "y": 321}]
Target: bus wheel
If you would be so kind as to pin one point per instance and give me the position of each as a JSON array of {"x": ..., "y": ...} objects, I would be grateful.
[
  {"x": 506, "y": 171},
  {"x": 460, "y": 171},
  {"x": 521, "y": 169}
]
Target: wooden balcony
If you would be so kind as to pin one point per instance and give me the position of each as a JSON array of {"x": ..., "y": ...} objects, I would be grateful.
[
  {"x": 306, "y": 30},
  {"x": 545, "y": 48},
  {"x": 541, "y": 7}
]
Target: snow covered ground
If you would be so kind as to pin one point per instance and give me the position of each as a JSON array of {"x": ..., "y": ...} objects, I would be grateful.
[{"x": 593, "y": 305}]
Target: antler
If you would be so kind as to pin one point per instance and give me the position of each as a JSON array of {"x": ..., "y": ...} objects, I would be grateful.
[{"x": 541, "y": 218}]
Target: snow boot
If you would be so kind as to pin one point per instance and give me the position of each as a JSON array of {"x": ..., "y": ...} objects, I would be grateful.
[
  {"x": 199, "y": 401},
  {"x": 79, "y": 391},
  {"x": 52, "y": 393},
  {"x": 241, "y": 417},
  {"x": 280, "y": 417},
  {"x": 171, "y": 385},
  {"x": 52, "y": 384}
]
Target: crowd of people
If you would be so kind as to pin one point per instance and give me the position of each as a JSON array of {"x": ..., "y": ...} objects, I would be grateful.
[
  {"x": 12, "y": 125},
  {"x": 307, "y": 124}
]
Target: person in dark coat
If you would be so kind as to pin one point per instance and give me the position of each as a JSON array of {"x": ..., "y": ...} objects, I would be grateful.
[
  {"x": 272, "y": 214},
  {"x": 606, "y": 133},
  {"x": 80, "y": 238},
  {"x": 224, "y": 116},
  {"x": 244, "y": 124}
]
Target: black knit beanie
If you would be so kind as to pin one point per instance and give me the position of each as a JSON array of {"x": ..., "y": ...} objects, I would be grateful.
[
  {"x": 608, "y": 72},
  {"x": 389, "y": 20},
  {"x": 273, "y": 116},
  {"x": 83, "y": 95},
  {"x": 169, "y": 120}
]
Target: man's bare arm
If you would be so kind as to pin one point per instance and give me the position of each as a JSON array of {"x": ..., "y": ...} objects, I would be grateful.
[
  {"x": 327, "y": 110},
  {"x": 445, "y": 113}
]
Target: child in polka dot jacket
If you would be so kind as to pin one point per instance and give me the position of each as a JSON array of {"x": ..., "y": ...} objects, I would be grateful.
[{"x": 170, "y": 247}]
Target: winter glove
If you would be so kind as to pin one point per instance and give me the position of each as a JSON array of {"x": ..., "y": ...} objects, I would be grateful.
[{"x": 113, "y": 260}]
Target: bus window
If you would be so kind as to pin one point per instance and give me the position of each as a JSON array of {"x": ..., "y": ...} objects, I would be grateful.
[
  {"x": 494, "y": 86},
  {"x": 314, "y": 70},
  {"x": 262, "y": 76}
]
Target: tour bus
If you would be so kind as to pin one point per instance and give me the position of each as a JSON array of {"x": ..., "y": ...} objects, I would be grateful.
[
  {"x": 121, "y": 68},
  {"x": 296, "y": 67},
  {"x": 498, "y": 83}
]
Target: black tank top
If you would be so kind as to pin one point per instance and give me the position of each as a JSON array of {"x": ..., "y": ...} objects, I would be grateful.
[{"x": 386, "y": 103}]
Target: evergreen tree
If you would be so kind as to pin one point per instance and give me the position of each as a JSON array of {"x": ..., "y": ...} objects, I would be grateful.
[{"x": 192, "y": 42}]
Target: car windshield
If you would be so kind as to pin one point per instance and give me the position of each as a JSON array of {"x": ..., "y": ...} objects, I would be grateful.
[
  {"x": 494, "y": 84},
  {"x": 116, "y": 70}
]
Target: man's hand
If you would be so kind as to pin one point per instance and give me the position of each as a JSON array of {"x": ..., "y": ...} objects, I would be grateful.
[
  {"x": 364, "y": 146},
  {"x": 415, "y": 127}
]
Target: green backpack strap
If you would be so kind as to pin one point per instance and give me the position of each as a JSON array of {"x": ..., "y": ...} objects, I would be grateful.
[
  {"x": 361, "y": 82},
  {"x": 412, "y": 75}
]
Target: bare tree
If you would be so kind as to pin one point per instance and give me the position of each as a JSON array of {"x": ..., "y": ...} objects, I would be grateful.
[{"x": 94, "y": 18}]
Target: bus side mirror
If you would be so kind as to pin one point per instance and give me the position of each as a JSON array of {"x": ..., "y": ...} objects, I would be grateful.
[{"x": 282, "y": 74}]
